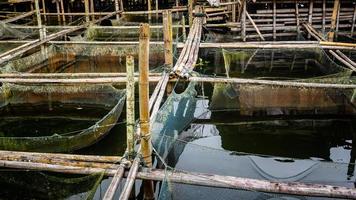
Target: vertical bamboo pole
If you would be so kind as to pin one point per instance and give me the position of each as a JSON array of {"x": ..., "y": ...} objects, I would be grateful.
[
  {"x": 86, "y": 7},
  {"x": 353, "y": 22},
  {"x": 168, "y": 44},
  {"x": 92, "y": 9},
  {"x": 333, "y": 20},
  {"x": 274, "y": 19},
  {"x": 39, "y": 24},
  {"x": 234, "y": 12},
  {"x": 190, "y": 12},
  {"x": 310, "y": 14},
  {"x": 146, "y": 148},
  {"x": 117, "y": 8},
  {"x": 337, "y": 21},
  {"x": 156, "y": 6},
  {"x": 122, "y": 5},
  {"x": 130, "y": 105},
  {"x": 149, "y": 10},
  {"x": 58, "y": 11},
  {"x": 184, "y": 29},
  {"x": 44, "y": 10},
  {"x": 324, "y": 16},
  {"x": 62, "y": 11},
  {"x": 243, "y": 21},
  {"x": 168, "y": 38},
  {"x": 297, "y": 16}
]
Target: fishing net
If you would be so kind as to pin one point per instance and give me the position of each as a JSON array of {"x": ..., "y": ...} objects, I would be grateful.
[
  {"x": 7, "y": 32},
  {"x": 44, "y": 185},
  {"x": 61, "y": 103},
  {"x": 190, "y": 134},
  {"x": 82, "y": 58}
]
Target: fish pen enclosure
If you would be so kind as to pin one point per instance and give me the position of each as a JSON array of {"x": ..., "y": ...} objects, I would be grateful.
[{"x": 215, "y": 99}]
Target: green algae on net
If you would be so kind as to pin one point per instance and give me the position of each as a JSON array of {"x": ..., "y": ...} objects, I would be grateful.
[{"x": 32, "y": 97}]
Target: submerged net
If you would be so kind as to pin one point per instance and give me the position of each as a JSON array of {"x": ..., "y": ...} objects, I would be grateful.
[{"x": 31, "y": 98}]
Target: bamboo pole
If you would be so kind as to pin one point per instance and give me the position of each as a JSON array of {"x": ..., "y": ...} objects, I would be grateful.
[
  {"x": 297, "y": 15},
  {"x": 168, "y": 38},
  {"x": 59, "y": 12},
  {"x": 337, "y": 21},
  {"x": 86, "y": 8},
  {"x": 110, "y": 192},
  {"x": 274, "y": 19},
  {"x": 130, "y": 105},
  {"x": 333, "y": 20},
  {"x": 243, "y": 21},
  {"x": 353, "y": 22},
  {"x": 62, "y": 11},
  {"x": 342, "y": 60},
  {"x": 117, "y": 8},
  {"x": 149, "y": 10},
  {"x": 146, "y": 148},
  {"x": 44, "y": 10},
  {"x": 184, "y": 29},
  {"x": 202, "y": 179},
  {"x": 190, "y": 12},
  {"x": 323, "y": 17},
  {"x": 92, "y": 9},
  {"x": 310, "y": 14},
  {"x": 130, "y": 180},
  {"x": 30, "y": 13}
]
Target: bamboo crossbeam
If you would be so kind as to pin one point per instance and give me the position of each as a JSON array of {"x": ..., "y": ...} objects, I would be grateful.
[
  {"x": 18, "y": 17},
  {"x": 201, "y": 179},
  {"x": 74, "y": 157},
  {"x": 72, "y": 81},
  {"x": 273, "y": 83},
  {"x": 69, "y": 75}
]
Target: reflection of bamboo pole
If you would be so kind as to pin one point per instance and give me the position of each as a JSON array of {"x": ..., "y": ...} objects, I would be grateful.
[
  {"x": 146, "y": 148},
  {"x": 333, "y": 20},
  {"x": 130, "y": 104}
]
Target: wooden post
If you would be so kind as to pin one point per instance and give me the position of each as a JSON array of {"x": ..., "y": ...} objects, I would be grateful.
[
  {"x": 274, "y": 19},
  {"x": 168, "y": 38},
  {"x": 149, "y": 9},
  {"x": 310, "y": 14},
  {"x": 130, "y": 105},
  {"x": 243, "y": 21},
  {"x": 62, "y": 11},
  {"x": 297, "y": 15},
  {"x": 117, "y": 8},
  {"x": 86, "y": 7},
  {"x": 190, "y": 12},
  {"x": 333, "y": 20},
  {"x": 92, "y": 9},
  {"x": 353, "y": 22},
  {"x": 234, "y": 12},
  {"x": 184, "y": 29},
  {"x": 337, "y": 21},
  {"x": 324, "y": 16},
  {"x": 44, "y": 10},
  {"x": 58, "y": 11},
  {"x": 146, "y": 148}
]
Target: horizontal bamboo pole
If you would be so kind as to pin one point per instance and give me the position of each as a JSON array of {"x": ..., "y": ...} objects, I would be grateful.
[
  {"x": 18, "y": 17},
  {"x": 75, "y": 157},
  {"x": 73, "y": 80},
  {"x": 274, "y": 83},
  {"x": 68, "y": 75},
  {"x": 201, "y": 179}
]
